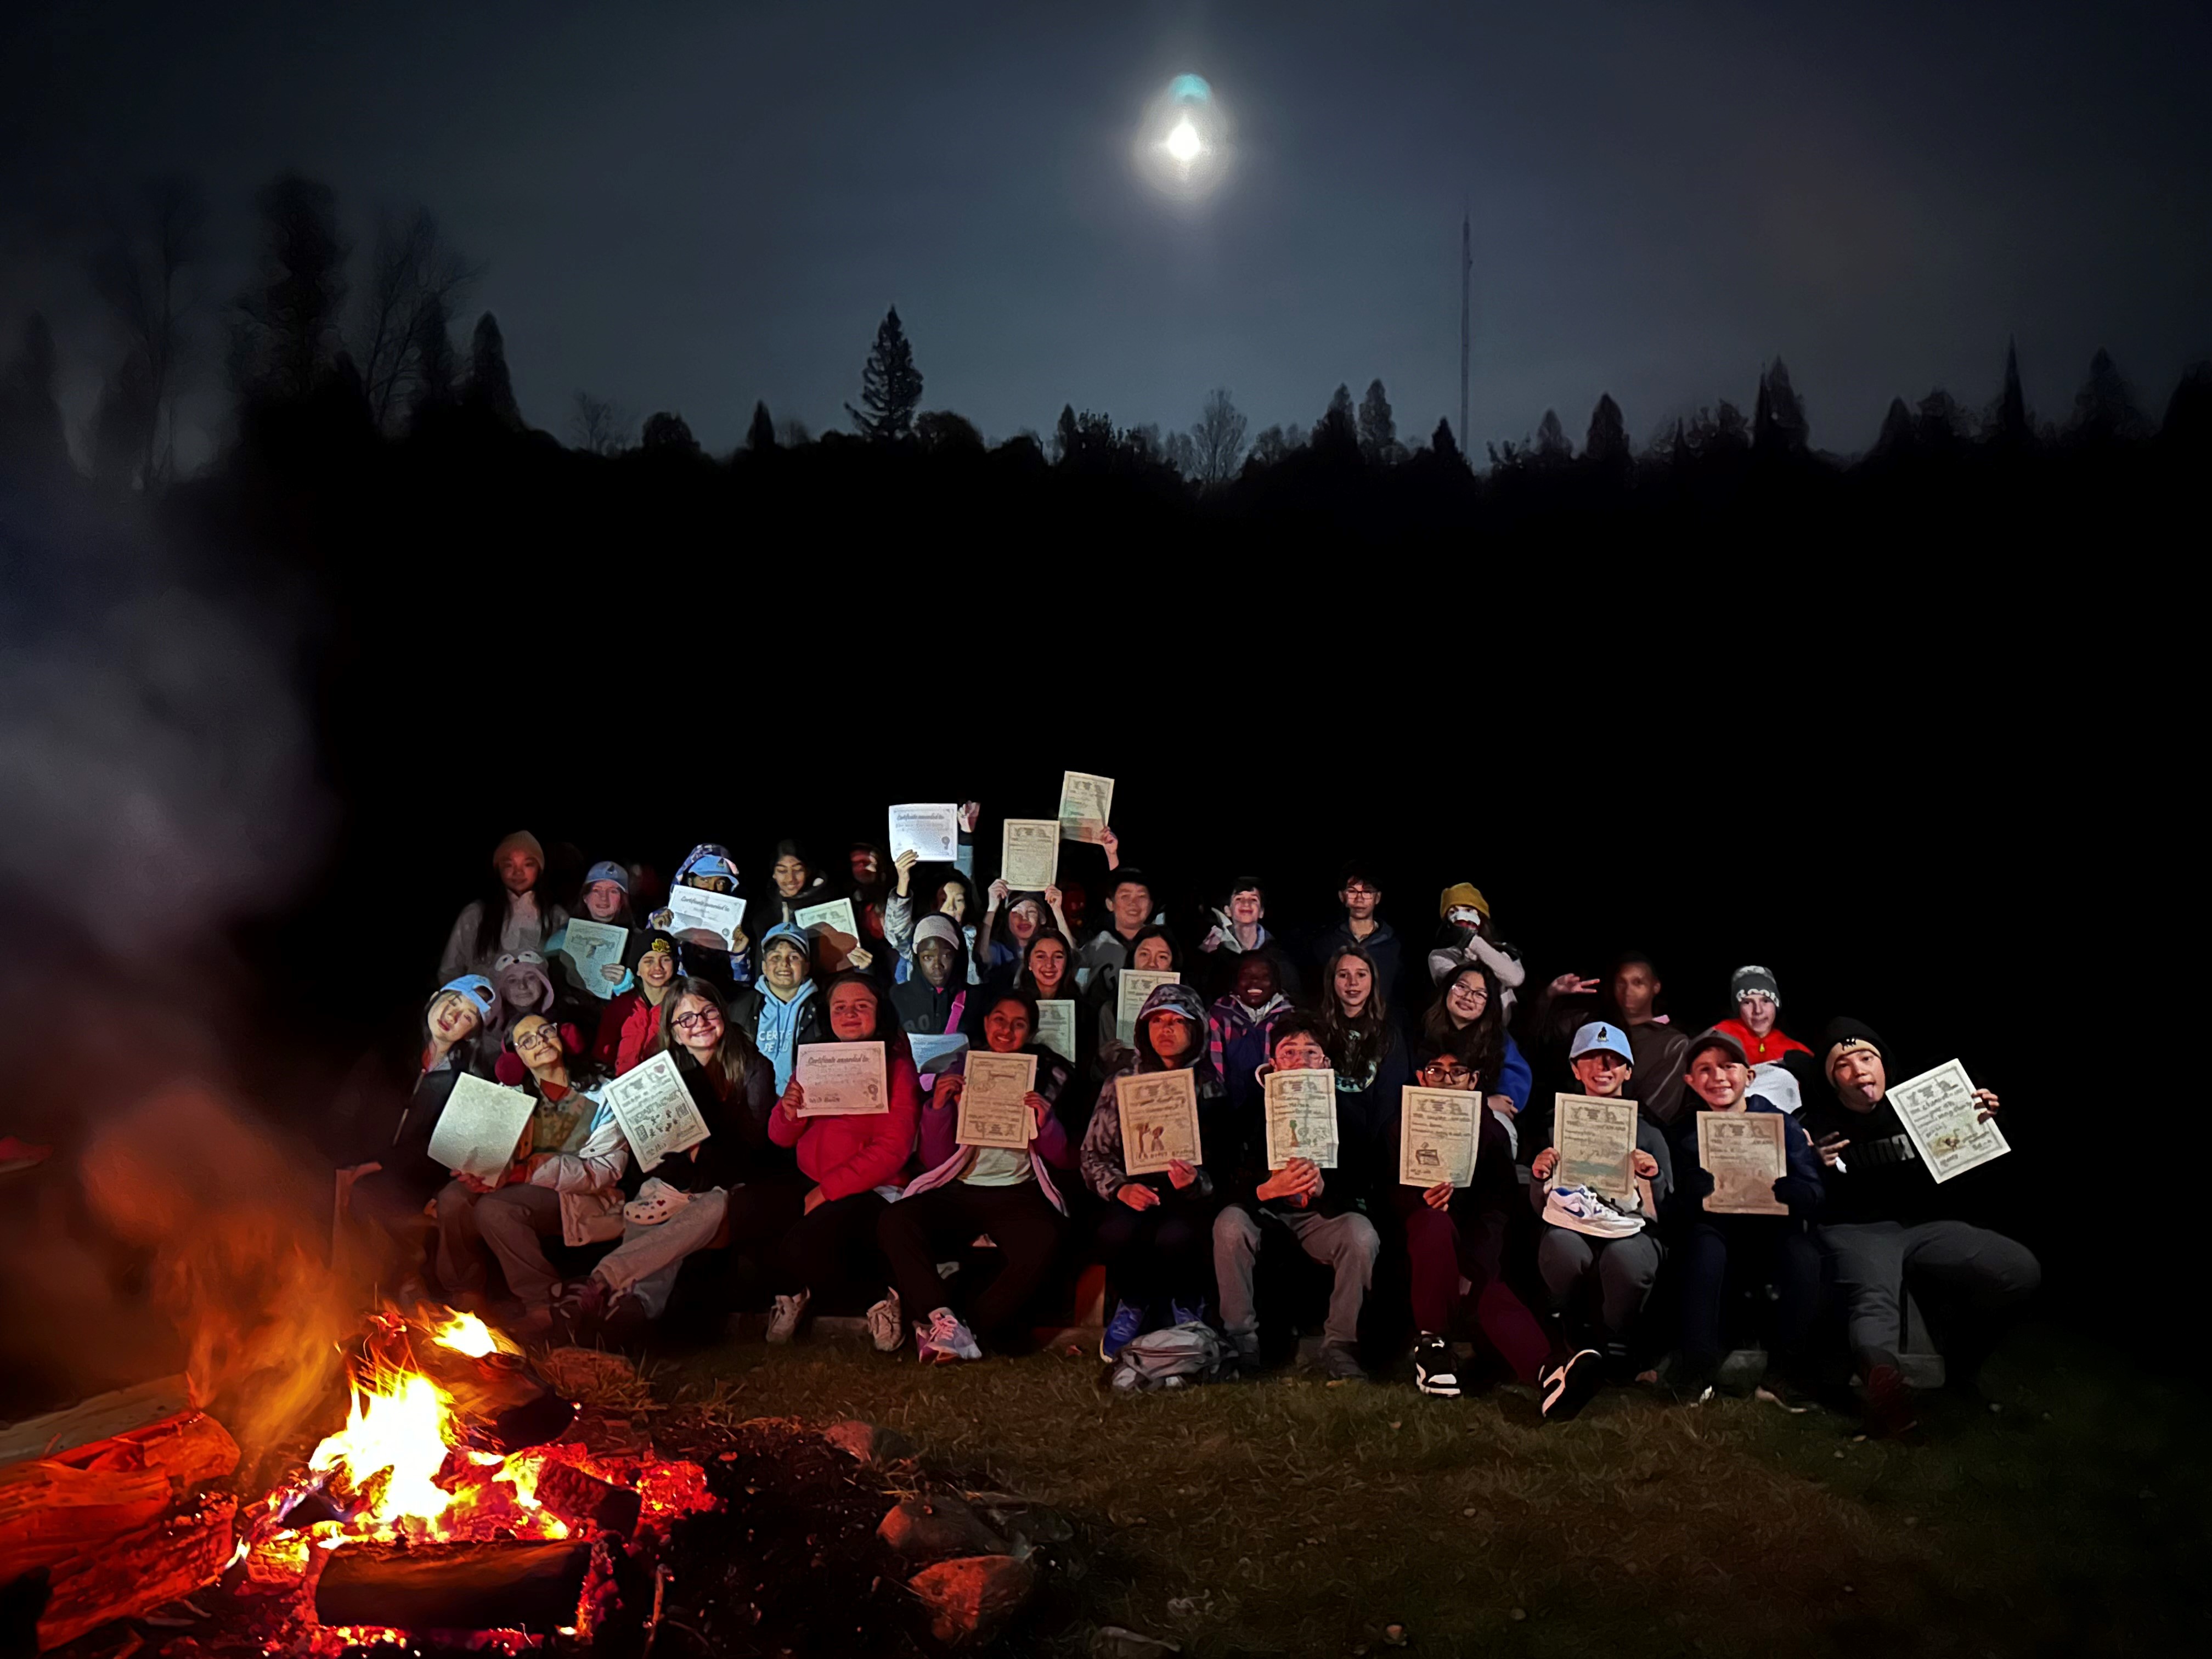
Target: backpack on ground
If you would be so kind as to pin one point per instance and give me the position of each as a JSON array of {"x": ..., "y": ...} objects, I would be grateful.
[{"x": 1179, "y": 1357}]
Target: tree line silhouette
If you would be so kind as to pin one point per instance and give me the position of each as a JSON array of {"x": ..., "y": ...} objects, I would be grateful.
[{"x": 325, "y": 374}]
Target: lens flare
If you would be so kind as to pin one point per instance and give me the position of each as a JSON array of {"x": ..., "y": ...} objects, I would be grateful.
[
  {"x": 1182, "y": 147},
  {"x": 1184, "y": 144}
]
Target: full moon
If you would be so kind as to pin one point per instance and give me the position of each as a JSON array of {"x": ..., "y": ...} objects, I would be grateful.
[{"x": 1182, "y": 147}]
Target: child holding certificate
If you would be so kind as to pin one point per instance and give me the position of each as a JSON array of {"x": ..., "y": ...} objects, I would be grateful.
[
  {"x": 1719, "y": 1244},
  {"x": 1599, "y": 1253},
  {"x": 1155, "y": 1233},
  {"x": 1008, "y": 1191},
  {"x": 1300, "y": 1203},
  {"x": 847, "y": 1157},
  {"x": 1887, "y": 1226},
  {"x": 1454, "y": 1233}
]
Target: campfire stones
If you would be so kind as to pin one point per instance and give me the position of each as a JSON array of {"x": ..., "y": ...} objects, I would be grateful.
[
  {"x": 932, "y": 1529},
  {"x": 972, "y": 1598},
  {"x": 865, "y": 1443}
]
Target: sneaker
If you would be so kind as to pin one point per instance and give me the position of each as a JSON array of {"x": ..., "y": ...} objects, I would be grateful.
[
  {"x": 885, "y": 1323},
  {"x": 1567, "y": 1387},
  {"x": 783, "y": 1318},
  {"x": 944, "y": 1340},
  {"x": 1435, "y": 1371},
  {"x": 1888, "y": 1405},
  {"x": 1340, "y": 1362},
  {"x": 1121, "y": 1330},
  {"x": 1187, "y": 1313}
]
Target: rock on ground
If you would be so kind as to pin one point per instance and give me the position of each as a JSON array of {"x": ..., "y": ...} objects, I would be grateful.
[
  {"x": 867, "y": 1443},
  {"x": 934, "y": 1529},
  {"x": 971, "y": 1598}
]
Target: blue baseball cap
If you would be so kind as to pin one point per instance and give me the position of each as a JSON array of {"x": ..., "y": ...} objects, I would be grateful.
[
  {"x": 475, "y": 988},
  {"x": 608, "y": 870},
  {"x": 1597, "y": 1036}
]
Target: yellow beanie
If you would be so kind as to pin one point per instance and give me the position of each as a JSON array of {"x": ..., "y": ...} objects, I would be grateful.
[{"x": 1462, "y": 892}]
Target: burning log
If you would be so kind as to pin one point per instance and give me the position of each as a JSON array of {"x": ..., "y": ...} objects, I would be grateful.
[
  {"x": 586, "y": 1501},
  {"x": 494, "y": 1388},
  {"x": 138, "y": 1571},
  {"x": 500, "y": 1585}
]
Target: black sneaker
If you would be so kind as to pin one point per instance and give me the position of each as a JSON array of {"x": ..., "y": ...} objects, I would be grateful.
[
  {"x": 1568, "y": 1386},
  {"x": 1435, "y": 1371}
]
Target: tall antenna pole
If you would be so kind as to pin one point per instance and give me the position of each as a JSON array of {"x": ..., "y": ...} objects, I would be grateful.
[{"x": 1465, "y": 273}]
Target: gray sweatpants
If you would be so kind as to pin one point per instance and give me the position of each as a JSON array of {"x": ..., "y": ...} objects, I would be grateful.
[
  {"x": 1346, "y": 1243},
  {"x": 513, "y": 1220},
  {"x": 645, "y": 1263},
  {"x": 1625, "y": 1269},
  {"x": 1973, "y": 1271}
]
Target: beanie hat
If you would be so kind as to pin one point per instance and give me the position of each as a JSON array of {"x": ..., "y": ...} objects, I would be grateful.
[
  {"x": 1750, "y": 980},
  {"x": 645, "y": 941},
  {"x": 937, "y": 927},
  {"x": 520, "y": 840},
  {"x": 608, "y": 870},
  {"x": 1841, "y": 1037},
  {"x": 1597, "y": 1037},
  {"x": 1462, "y": 894},
  {"x": 1715, "y": 1038}
]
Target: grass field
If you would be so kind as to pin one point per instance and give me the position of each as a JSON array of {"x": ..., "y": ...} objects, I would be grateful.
[{"x": 1292, "y": 1516}]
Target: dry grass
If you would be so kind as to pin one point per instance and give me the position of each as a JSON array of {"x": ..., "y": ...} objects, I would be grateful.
[{"x": 1291, "y": 1517}]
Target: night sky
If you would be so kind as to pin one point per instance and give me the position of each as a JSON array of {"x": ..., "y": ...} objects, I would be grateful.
[{"x": 691, "y": 207}]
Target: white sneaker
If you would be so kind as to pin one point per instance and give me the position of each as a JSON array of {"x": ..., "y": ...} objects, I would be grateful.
[
  {"x": 783, "y": 1318},
  {"x": 944, "y": 1340},
  {"x": 885, "y": 1328}
]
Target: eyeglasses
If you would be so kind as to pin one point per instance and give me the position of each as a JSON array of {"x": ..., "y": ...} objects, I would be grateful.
[
  {"x": 1448, "y": 1075},
  {"x": 1466, "y": 993},
  {"x": 696, "y": 1019},
  {"x": 537, "y": 1037}
]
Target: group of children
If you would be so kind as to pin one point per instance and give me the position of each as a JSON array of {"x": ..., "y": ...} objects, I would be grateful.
[{"x": 1564, "y": 1286}]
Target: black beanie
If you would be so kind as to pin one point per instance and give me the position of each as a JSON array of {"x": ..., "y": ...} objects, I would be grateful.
[{"x": 1853, "y": 1033}]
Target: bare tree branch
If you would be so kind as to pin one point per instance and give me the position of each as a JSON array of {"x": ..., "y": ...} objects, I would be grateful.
[
  {"x": 139, "y": 269},
  {"x": 414, "y": 274},
  {"x": 599, "y": 427}
]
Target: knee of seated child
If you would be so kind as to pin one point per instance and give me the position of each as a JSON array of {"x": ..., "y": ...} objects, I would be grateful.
[
  {"x": 1360, "y": 1237},
  {"x": 1234, "y": 1225}
]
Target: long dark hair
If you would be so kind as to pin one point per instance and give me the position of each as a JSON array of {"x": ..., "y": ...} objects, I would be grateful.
[
  {"x": 1027, "y": 980},
  {"x": 734, "y": 1056},
  {"x": 492, "y": 900},
  {"x": 1480, "y": 1044},
  {"x": 1355, "y": 1044},
  {"x": 1158, "y": 930}
]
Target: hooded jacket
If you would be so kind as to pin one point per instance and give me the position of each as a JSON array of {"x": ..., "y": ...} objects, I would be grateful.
[
  {"x": 729, "y": 971},
  {"x": 777, "y": 1027},
  {"x": 586, "y": 1168},
  {"x": 1104, "y": 1169},
  {"x": 1761, "y": 1051}
]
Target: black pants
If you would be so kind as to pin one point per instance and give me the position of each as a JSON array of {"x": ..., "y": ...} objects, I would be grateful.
[
  {"x": 1165, "y": 1253},
  {"x": 1746, "y": 1252},
  {"x": 1022, "y": 1222},
  {"x": 834, "y": 1249}
]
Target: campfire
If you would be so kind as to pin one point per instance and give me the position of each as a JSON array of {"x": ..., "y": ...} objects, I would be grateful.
[{"x": 461, "y": 1504}]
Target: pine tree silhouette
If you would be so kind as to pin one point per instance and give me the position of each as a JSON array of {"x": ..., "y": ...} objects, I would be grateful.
[
  {"x": 491, "y": 387},
  {"x": 890, "y": 385},
  {"x": 761, "y": 437}
]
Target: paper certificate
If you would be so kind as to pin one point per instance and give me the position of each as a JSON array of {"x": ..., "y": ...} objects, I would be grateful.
[
  {"x": 1438, "y": 1131},
  {"x": 835, "y": 931},
  {"x": 1159, "y": 1121},
  {"x": 1745, "y": 1154},
  {"x": 477, "y": 1133},
  {"x": 1056, "y": 1027},
  {"x": 843, "y": 1079},
  {"x": 1029, "y": 854},
  {"x": 1938, "y": 1111},
  {"x": 592, "y": 945},
  {"x": 1087, "y": 807},
  {"x": 937, "y": 1054},
  {"x": 1135, "y": 985},
  {"x": 993, "y": 1104},
  {"x": 719, "y": 914},
  {"x": 1301, "y": 1113},
  {"x": 931, "y": 833},
  {"x": 1596, "y": 1139},
  {"x": 657, "y": 1115}
]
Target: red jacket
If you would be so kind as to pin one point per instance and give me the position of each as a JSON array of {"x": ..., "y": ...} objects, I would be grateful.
[
  {"x": 848, "y": 1155},
  {"x": 1759, "y": 1050},
  {"x": 625, "y": 1031}
]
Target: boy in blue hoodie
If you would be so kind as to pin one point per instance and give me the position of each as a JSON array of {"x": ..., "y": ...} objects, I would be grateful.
[{"x": 1761, "y": 1251}]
